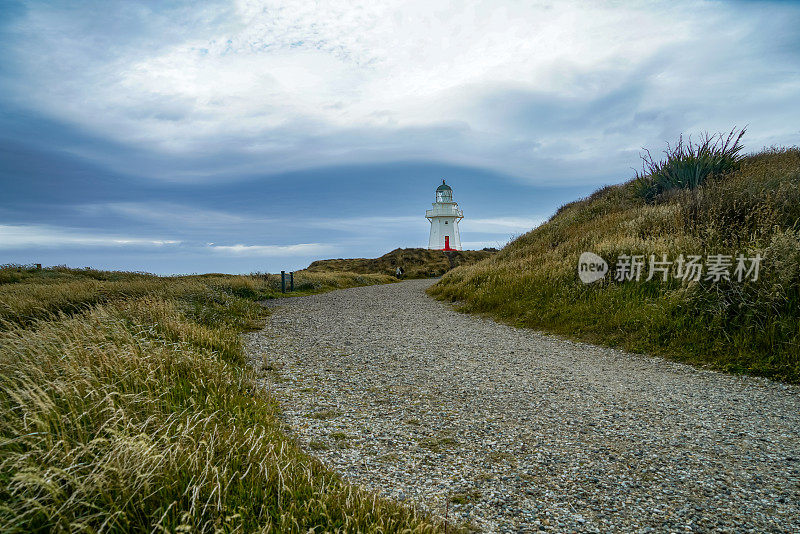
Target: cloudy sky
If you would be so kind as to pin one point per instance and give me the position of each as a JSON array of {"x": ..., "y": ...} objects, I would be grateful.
[{"x": 252, "y": 135}]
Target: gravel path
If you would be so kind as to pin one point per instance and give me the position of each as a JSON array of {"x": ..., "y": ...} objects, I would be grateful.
[{"x": 515, "y": 431}]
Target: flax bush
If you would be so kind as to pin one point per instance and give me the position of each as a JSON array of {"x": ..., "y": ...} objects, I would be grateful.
[{"x": 689, "y": 164}]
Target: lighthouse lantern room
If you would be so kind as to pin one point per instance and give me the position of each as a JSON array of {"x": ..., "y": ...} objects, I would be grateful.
[{"x": 444, "y": 219}]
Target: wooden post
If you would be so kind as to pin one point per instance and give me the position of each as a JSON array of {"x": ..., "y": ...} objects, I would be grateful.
[
  {"x": 291, "y": 281},
  {"x": 283, "y": 281}
]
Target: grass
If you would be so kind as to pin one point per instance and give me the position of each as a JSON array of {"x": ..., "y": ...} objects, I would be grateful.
[
  {"x": 417, "y": 262},
  {"x": 748, "y": 327},
  {"x": 465, "y": 497},
  {"x": 502, "y": 456},
  {"x": 438, "y": 443},
  {"x": 340, "y": 439},
  {"x": 134, "y": 411}
]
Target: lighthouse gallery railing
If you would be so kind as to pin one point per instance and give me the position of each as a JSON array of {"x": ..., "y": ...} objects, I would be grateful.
[{"x": 445, "y": 212}]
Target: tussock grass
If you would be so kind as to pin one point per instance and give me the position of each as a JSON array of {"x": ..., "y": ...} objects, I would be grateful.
[
  {"x": 137, "y": 414},
  {"x": 751, "y": 327}
]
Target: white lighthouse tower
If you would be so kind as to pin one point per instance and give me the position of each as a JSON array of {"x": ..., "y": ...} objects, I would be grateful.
[{"x": 444, "y": 219}]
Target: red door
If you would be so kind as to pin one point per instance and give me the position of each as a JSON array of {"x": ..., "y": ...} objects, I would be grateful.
[{"x": 447, "y": 242}]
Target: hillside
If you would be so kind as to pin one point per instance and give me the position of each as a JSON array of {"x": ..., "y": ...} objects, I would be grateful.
[
  {"x": 417, "y": 262},
  {"x": 701, "y": 200}
]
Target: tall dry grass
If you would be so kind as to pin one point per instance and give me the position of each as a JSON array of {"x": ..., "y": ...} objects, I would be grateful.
[
  {"x": 138, "y": 415},
  {"x": 30, "y": 294}
]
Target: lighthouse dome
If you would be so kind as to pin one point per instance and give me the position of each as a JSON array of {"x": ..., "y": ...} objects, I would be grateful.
[{"x": 444, "y": 193}]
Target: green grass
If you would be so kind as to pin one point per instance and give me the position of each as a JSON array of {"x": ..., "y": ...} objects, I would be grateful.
[
  {"x": 438, "y": 443},
  {"x": 751, "y": 327},
  {"x": 465, "y": 497},
  {"x": 134, "y": 411}
]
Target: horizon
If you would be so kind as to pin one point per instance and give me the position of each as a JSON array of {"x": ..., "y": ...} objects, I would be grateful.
[{"x": 258, "y": 136}]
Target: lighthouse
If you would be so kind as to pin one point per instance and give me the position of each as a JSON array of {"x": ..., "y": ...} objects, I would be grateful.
[{"x": 444, "y": 219}]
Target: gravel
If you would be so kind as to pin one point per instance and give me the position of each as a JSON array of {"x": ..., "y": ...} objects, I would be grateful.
[{"x": 511, "y": 430}]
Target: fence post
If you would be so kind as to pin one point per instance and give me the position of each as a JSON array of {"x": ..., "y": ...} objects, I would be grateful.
[
  {"x": 283, "y": 281},
  {"x": 291, "y": 281}
]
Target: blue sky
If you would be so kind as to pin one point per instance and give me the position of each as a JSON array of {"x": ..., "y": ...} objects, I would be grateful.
[{"x": 240, "y": 136}]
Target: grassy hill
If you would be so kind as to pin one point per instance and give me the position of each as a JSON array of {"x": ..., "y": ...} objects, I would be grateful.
[
  {"x": 126, "y": 405},
  {"x": 701, "y": 200},
  {"x": 417, "y": 262}
]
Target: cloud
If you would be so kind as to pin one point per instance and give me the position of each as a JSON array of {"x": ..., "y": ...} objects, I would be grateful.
[
  {"x": 361, "y": 224},
  {"x": 27, "y": 236},
  {"x": 300, "y": 249},
  {"x": 501, "y": 225},
  {"x": 181, "y": 216},
  {"x": 32, "y": 236},
  {"x": 173, "y": 214},
  {"x": 540, "y": 90}
]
